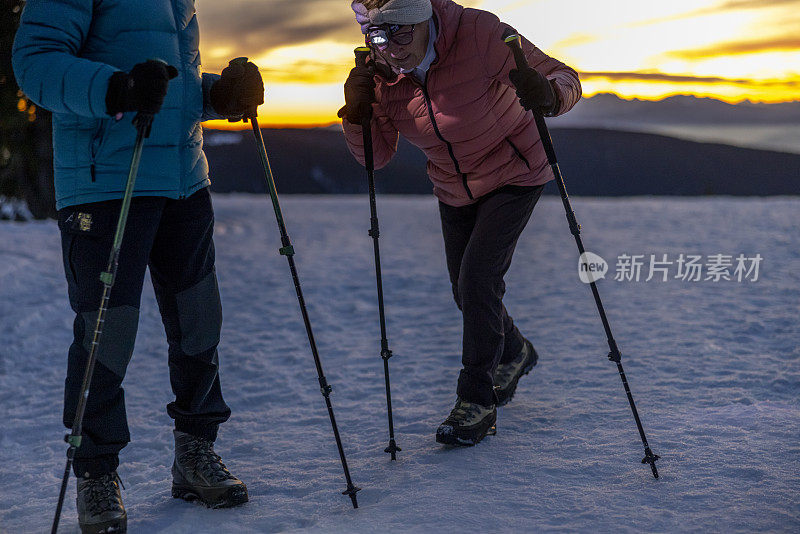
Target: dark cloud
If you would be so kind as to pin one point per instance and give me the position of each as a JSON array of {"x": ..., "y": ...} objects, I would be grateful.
[
  {"x": 253, "y": 27},
  {"x": 674, "y": 78},
  {"x": 768, "y": 44}
]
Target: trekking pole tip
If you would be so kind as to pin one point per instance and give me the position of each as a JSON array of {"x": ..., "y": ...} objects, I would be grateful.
[
  {"x": 351, "y": 492},
  {"x": 392, "y": 449},
  {"x": 651, "y": 458}
]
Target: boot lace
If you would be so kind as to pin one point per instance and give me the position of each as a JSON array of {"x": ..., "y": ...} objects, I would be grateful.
[
  {"x": 201, "y": 457},
  {"x": 101, "y": 493}
]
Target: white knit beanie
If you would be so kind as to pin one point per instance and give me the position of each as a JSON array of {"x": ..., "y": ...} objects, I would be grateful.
[{"x": 401, "y": 12}]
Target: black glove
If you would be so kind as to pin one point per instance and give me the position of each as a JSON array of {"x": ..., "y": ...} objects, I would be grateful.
[
  {"x": 535, "y": 91},
  {"x": 359, "y": 89},
  {"x": 239, "y": 89},
  {"x": 142, "y": 89}
]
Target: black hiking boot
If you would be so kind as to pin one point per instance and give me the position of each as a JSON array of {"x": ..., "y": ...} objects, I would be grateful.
[
  {"x": 467, "y": 424},
  {"x": 199, "y": 474},
  {"x": 508, "y": 374},
  {"x": 100, "y": 508}
]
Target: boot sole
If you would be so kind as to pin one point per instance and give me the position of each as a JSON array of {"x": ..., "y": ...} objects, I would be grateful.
[
  {"x": 212, "y": 497},
  {"x": 115, "y": 526},
  {"x": 454, "y": 440},
  {"x": 512, "y": 388}
]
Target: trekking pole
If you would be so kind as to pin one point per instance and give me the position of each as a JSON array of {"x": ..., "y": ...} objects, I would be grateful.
[
  {"x": 142, "y": 121},
  {"x": 513, "y": 40},
  {"x": 288, "y": 251},
  {"x": 362, "y": 55}
]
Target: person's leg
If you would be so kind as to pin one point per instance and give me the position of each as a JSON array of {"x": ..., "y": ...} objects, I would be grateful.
[
  {"x": 457, "y": 225},
  {"x": 513, "y": 339},
  {"x": 501, "y": 217},
  {"x": 87, "y": 235},
  {"x": 182, "y": 269},
  {"x": 185, "y": 283}
]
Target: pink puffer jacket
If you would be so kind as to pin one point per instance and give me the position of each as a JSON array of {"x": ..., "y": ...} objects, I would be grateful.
[{"x": 466, "y": 118}]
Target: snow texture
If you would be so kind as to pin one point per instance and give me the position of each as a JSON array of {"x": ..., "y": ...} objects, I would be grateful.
[{"x": 713, "y": 368}]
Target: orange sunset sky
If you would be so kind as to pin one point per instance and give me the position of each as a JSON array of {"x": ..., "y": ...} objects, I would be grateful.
[{"x": 732, "y": 50}]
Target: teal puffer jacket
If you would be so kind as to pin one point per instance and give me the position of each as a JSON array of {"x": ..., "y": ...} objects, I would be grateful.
[{"x": 64, "y": 54}]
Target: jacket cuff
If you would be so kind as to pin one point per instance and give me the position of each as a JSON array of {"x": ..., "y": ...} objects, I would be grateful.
[
  {"x": 97, "y": 84},
  {"x": 556, "y": 107},
  {"x": 209, "y": 113}
]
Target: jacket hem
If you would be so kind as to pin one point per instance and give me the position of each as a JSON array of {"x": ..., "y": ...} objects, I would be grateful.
[{"x": 88, "y": 198}]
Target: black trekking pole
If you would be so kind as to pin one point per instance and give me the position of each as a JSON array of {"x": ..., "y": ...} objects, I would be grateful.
[
  {"x": 288, "y": 251},
  {"x": 513, "y": 40},
  {"x": 362, "y": 55},
  {"x": 142, "y": 121}
]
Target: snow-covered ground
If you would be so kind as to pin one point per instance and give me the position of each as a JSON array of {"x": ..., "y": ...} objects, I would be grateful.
[{"x": 714, "y": 368}]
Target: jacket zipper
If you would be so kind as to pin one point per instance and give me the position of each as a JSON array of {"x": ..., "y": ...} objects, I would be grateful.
[
  {"x": 518, "y": 153},
  {"x": 97, "y": 143},
  {"x": 439, "y": 135}
]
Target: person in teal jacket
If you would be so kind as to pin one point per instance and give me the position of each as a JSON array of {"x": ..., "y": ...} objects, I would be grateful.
[{"x": 94, "y": 64}]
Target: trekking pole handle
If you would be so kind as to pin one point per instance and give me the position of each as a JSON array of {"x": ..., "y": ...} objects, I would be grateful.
[
  {"x": 241, "y": 62},
  {"x": 362, "y": 54},
  {"x": 514, "y": 42},
  {"x": 143, "y": 120}
]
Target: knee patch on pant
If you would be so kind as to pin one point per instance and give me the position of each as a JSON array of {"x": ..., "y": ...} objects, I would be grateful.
[
  {"x": 118, "y": 338},
  {"x": 200, "y": 315}
]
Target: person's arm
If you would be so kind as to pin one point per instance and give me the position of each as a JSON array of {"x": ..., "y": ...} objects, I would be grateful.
[
  {"x": 384, "y": 138},
  {"x": 360, "y": 90},
  {"x": 499, "y": 61},
  {"x": 45, "y": 61}
]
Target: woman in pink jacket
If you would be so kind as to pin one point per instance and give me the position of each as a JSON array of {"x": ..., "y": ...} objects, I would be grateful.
[{"x": 442, "y": 77}]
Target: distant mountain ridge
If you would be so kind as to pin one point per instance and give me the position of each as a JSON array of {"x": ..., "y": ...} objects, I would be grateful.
[
  {"x": 679, "y": 109},
  {"x": 595, "y": 162}
]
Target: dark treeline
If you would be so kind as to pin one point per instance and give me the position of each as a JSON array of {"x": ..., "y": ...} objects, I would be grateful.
[
  {"x": 594, "y": 162},
  {"x": 26, "y": 152}
]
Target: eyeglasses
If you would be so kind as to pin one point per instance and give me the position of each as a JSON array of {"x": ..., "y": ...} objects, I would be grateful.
[{"x": 381, "y": 36}]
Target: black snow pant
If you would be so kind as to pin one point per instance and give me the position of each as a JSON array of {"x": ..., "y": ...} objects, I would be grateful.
[
  {"x": 174, "y": 239},
  {"x": 479, "y": 242}
]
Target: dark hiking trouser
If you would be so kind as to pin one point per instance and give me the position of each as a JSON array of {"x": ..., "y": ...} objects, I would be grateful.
[
  {"x": 173, "y": 238},
  {"x": 479, "y": 242}
]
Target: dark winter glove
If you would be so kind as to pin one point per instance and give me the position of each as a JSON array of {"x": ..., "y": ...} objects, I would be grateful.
[
  {"x": 535, "y": 92},
  {"x": 359, "y": 89},
  {"x": 239, "y": 89},
  {"x": 142, "y": 89}
]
